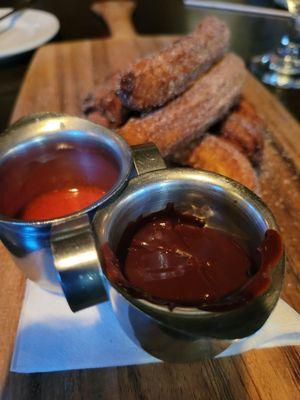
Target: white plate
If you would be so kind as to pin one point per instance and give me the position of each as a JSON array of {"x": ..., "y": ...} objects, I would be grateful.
[{"x": 25, "y": 30}]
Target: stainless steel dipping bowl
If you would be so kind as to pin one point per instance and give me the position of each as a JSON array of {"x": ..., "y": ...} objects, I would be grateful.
[{"x": 185, "y": 333}]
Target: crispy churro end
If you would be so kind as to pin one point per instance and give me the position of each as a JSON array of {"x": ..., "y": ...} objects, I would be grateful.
[{"x": 215, "y": 154}]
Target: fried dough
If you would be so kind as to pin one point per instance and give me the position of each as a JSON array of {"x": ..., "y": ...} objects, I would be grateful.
[
  {"x": 104, "y": 106},
  {"x": 218, "y": 155},
  {"x": 154, "y": 80},
  {"x": 245, "y": 130},
  {"x": 190, "y": 115}
]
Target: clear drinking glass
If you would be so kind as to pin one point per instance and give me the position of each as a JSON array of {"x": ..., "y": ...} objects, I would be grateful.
[{"x": 282, "y": 68}]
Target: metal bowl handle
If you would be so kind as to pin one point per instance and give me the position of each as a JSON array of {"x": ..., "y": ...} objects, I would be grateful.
[
  {"x": 77, "y": 263},
  {"x": 147, "y": 158},
  {"x": 74, "y": 250}
]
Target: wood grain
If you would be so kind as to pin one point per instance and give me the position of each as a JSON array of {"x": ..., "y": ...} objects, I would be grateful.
[
  {"x": 11, "y": 295},
  {"x": 263, "y": 374},
  {"x": 58, "y": 79},
  {"x": 119, "y": 18}
]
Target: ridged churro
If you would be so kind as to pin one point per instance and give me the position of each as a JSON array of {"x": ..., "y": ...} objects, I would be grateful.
[
  {"x": 154, "y": 80},
  {"x": 218, "y": 155},
  {"x": 179, "y": 94},
  {"x": 190, "y": 115},
  {"x": 104, "y": 106},
  {"x": 245, "y": 130}
]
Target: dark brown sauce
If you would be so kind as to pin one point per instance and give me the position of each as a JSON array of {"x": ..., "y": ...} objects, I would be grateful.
[{"x": 174, "y": 259}]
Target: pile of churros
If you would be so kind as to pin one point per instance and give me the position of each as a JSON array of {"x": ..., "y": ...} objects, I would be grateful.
[{"x": 187, "y": 100}]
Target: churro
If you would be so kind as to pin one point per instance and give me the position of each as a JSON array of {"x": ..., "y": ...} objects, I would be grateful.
[
  {"x": 218, "y": 155},
  {"x": 104, "y": 106},
  {"x": 190, "y": 115},
  {"x": 154, "y": 80},
  {"x": 245, "y": 130}
]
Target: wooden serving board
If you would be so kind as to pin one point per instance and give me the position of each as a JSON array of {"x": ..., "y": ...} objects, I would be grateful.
[{"x": 59, "y": 77}]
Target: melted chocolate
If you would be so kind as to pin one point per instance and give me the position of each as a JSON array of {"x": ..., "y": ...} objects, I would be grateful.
[{"x": 174, "y": 259}]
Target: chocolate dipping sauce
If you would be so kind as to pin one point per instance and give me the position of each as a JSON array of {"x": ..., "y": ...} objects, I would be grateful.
[{"x": 174, "y": 259}]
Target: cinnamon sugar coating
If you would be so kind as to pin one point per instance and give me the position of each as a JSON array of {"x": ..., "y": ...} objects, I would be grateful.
[
  {"x": 218, "y": 155},
  {"x": 190, "y": 115},
  {"x": 245, "y": 129},
  {"x": 104, "y": 106},
  {"x": 154, "y": 80}
]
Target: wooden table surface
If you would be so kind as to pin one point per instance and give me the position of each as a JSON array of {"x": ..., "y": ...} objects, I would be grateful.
[{"x": 58, "y": 79}]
